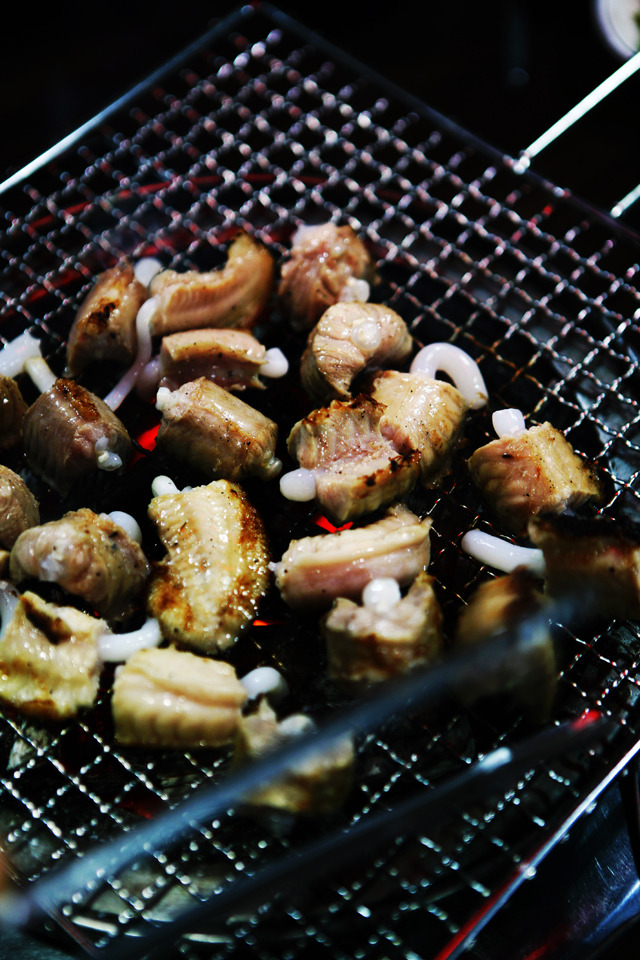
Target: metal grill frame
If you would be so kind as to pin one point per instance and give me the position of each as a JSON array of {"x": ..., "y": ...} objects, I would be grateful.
[{"x": 263, "y": 124}]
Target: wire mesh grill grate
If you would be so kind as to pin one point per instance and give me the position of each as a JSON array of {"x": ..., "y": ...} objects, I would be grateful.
[{"x": 265, "y": 128}]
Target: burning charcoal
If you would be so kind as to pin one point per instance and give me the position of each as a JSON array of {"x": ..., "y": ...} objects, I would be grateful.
[
  {"x": 19, "y": 509},
  {"x": 165, "y": 697},
  {"x": 526, "y": 472},
  {"x": 348, "y": 339},
  {"x": 88, "y": 555},
  {"x": 385, "y": 635},
  {"x": 354, "y": 468},
  {"x": 49, "y": 659},
  {"x": 215, "y": 432},
  {"x": 206, "y": 592},
  {"x": 325, "y": 261},
  {"x": 315, "y": 570}
]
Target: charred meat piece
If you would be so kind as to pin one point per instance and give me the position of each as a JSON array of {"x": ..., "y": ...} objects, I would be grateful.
[
  {"x": 318, "y": 785},
  {"x": 232, "y": 296},
  {"x": 12, "y": 409},
  {"x": 49, "y": 661},
  {"x": 366, "y": 644},
  {"x": 423, "y": 414},
  {"x": 356, "y": 469},
  {"x": 19, "y": 509},
  {"x": 208, "y": 588},
  {"x": 88, "y": 556},
  {"x": 105, "y": 325},
  {"x": 231, "y": 358},
  {"x": 526, "y": 675},
  {"x": 69, "y": 433},
  {"x": 163, "y": 697},
  {"x": 595, "y": 560},
  {"x": 535, "y": 472},
  {"x": 348, "y": 339},
  {"x": 315, "y": 570},
  {"x": 322, "y": 262},
  {"x": 217, "y": 433}
]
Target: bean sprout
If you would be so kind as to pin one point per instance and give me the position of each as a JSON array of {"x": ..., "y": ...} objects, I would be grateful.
[
  {"x": 501, "y": 554},
  {"x": 118, "y": 647},
  {"x": 508, "y": 423},
  {"x": 458, "y": 365}
]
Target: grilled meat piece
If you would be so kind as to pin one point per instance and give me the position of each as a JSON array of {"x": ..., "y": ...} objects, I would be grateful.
[
  {"x": 163, "y": 697},
  {"x": 315, "y": 570},
  {"x": 19, "y": 509},
  {"x": 323, "y": 260},
  {"x": 356, "y": 469},
  {"x": 318, "y": 785},
  {"x": 88, "y": 556},
  {"x": 535, "y": 472},
  {"x": 12, "y": 409},
  {"x": 231, "y": 358},
  {"x": 217, "y": 433},
  {"x": 69, "y": 433},
  {"x": 423, "y": 414},
  {"x": 526, "y": 675},
  {"x": 596, "y": 561},
  {"x": 367, "y": 645},
  {"x": 49, "y": 662},
  {"x": 105, "y": 324},
  {"x": 206, "y": 592},
  {"x": 348, "y": 339},
  {"x": 232, "y": 296}
]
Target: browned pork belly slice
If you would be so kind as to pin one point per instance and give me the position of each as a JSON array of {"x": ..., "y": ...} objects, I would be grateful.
[
  {"x": 323, "y": 260},
  {"x": 317, "y": 785},
  {"x": 105, "y": 324},
  {"x": 596, "y": 561},
  {"x": 19, "y": 509},
  {"x": 217, "y": 433},
  {"x": 232, "y": 296},
  {"x": 49, "y": 661},
  {"x": 366, "y": 644},
  {"x": 315, "y": 570},
  {"x": 525, "y": 676},
  {"x": 69, "y": 433},
  {"x": 163, "y": 697},
  {"x": 12, "y": 409},
  {"x": 423, "y": 414},
  {"x": 231, "y": 358},
  {"x": 206, "y": 591},
  {"x": 535, "y": 472},
  {"x": 356, "y": 469},
  {"x": 348, "y": 339},
  {"x": 88, "y": 555}
]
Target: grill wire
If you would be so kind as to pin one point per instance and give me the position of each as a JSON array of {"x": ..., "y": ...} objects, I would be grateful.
[{"x": 263, "y": 126}]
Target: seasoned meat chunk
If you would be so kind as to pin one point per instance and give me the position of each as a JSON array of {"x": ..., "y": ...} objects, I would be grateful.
[
  {"x": 535, "y": 472},
  {"x": 206, "y": 592},
  {"x": 231, "y": 358},
  {"x": 367, "y": 644},
  {"x": 70, "y": 433},
  {"x": 318, "y": 785},
  {"x": 526, "y": 675},
  {"x": 49, "y": 662},
  {"x": 356, "y": 469},
  {"x": 88, "y": 555},
  {"x": 19, "y": 509},
  {"x": 232, "y": 296},
  {"x": 323, "y": 260},
  {"x": 105, "y": 324},
  {"x": 12, "y": 409},
  {"x": 423, "y": 414},
  {"x": 163, "y": 697},
  {"x": 315, "y": 570},
  {"x": 595, "y": 561},
  {"x": 348, "y": 339},
  {"x": 217, "y": 433}
]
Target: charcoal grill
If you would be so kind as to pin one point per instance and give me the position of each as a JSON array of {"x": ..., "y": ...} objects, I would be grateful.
[{"x": 263, "y": 125}]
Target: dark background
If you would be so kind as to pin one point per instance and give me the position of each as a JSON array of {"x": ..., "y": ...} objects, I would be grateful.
[{"x": 505, "y": 70}]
